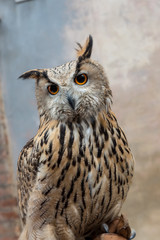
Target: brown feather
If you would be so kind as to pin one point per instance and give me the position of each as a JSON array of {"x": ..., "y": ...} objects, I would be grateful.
[
  {"x": 35, "y": 73},
  {"x": 86, "y": 50}
]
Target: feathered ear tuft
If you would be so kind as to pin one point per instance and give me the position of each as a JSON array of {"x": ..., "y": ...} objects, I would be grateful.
[
  {"x": 86, "y": 50},
  {"x": 35, "y": 73}
]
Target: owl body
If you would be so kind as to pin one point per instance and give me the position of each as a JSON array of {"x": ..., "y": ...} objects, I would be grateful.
[{"x": 74, "y": 175}]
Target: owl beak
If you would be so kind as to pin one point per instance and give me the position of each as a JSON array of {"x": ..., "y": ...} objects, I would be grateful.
[{"x": 71, "y": 102}]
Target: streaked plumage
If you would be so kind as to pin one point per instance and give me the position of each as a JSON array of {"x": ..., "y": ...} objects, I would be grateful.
[{"x": 75, "y": 173}]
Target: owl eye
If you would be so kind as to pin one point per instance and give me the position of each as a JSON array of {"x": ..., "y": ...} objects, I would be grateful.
[
  {"x": 53, "y": 89},
  {"x": 81, "y": 79}
]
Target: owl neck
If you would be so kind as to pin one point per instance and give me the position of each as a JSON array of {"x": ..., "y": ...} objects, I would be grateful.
[{"x": 44, "y": 119}]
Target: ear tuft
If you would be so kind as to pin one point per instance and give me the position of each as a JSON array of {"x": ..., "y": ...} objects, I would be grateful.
[
  {"x": 86, "y": 50},
  {"x": 35, "y": 73}
]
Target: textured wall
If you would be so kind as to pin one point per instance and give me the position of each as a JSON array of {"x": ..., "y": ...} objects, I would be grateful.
[
  {"x": 9, "y": 217},
  {"x": 126, "y": 36}
]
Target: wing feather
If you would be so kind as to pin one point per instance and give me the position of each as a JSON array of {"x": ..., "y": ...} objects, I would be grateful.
[{"x": 27, "y": 171}]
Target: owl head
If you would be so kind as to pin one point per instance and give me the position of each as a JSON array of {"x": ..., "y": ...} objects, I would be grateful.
[{"x": 73, "y": 91}]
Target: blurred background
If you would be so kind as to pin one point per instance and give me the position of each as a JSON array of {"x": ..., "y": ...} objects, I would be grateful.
[{"x": 43, "y": 33}]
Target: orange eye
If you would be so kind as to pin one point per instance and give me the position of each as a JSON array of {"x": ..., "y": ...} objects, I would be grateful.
[
  {"x": 53, "y": 89},
  {"x": 81, "y": 79}
]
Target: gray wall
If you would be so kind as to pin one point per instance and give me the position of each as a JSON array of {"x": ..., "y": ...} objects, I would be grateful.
[{"x": 30, "y": 37}]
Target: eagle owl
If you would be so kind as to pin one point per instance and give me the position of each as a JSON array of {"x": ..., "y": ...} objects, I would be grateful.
[{"x": 74, "y": 175}]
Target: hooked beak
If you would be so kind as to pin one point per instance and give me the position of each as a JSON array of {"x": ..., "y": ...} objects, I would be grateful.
[{"x": 71, "y": 102}]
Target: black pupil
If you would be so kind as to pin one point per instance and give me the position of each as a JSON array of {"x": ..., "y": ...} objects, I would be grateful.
[
  {"x": 81, "y": 78},
  {"x": 53, "y": 88}
]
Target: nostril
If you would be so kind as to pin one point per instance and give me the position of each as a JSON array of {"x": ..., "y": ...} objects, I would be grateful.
[{"x": 71, "y": 102}]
